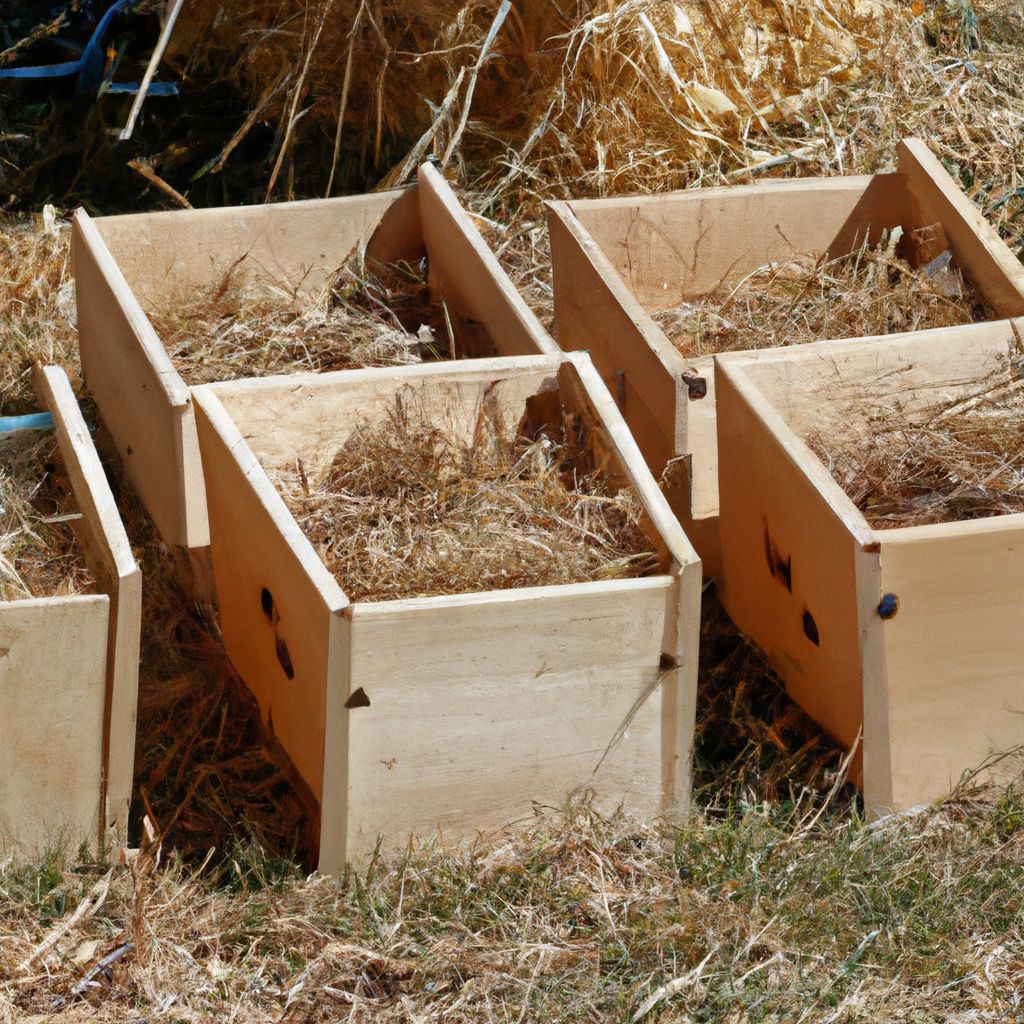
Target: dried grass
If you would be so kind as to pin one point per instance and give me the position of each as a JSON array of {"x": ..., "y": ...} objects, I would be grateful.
[
  {"x": 958, "y": 460},
  {"x": 384, "y": 318},
  {"x": 407, "y": 509},
  {"x": 866, "y": 292},
  {"x": 39, "y": 555},
  {"x": 37, "y": 307}
]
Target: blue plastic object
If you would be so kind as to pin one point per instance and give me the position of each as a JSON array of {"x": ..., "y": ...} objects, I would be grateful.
[
  {"x": 88, "y": 67},
  {"x": 33, "y": 421}
]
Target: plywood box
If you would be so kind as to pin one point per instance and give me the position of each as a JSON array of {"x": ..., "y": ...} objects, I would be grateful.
[
  {"x": 450, "y": 713},
  {"x": 910, "y": 633},
  {"x": 127, "y": 264},
  {"x": 69, "y": 670},
  {"x": 618, "y": 262}
]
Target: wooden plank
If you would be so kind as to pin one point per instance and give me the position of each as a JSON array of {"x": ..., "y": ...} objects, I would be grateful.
[
  {"x": 674, "y": 247},
  {"x": 311, "y": 415},
  {"x": 483, "y": 704},
  {"x": 141, "y": 399},
  {"x": 276, "y": 597},
  {"x": 952, "y": 654},
  {"x": 467, "y": 274},
  {"x": 789, "y": 560},
  {"x": 171, "y": 255},
  {"x": 118, "y": 575},
  {"x": 595, "y": 312},
  {"x": 53, "y": 654},
  {"x": 975, "y": 244}
]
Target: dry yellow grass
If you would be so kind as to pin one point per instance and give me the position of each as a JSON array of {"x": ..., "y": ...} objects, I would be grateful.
[{"x": 407, "y": 509}]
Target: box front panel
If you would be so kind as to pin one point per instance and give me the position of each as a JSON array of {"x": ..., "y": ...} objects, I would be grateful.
[
  {"x": 953, "y": 655},
  {"x": 53, "y": 656},
  {"x": 470, "y": 711}
]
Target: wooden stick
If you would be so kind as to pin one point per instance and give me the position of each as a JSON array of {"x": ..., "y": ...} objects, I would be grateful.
[
  {"x": 151, "y": 176},
  {"x": 154, "y": 61}
]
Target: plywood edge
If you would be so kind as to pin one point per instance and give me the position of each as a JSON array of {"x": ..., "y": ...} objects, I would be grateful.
[
  {"x": 629, "y": 458},
  {"x": 89, "y": 482},
  {"x": 876, "y": 739},
  {"x": 731, "y": 369},
  {"x": 334, "y": 803},
  {"x": 976, "y": 245},
  {"x": 665, "y": 352},
  {"x": 479, "y": 274},
  {"x": 85, "y": 235},
  {"x": 841, "y": 183},
  {"x": 209, "y": 408},
  {"x": 462, "y": 371}
]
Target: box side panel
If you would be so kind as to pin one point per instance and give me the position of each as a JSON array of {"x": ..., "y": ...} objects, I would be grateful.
[
  {"x": 169, "y": 256},
  {"x": 467, "y": 275},
  {"x": 141, "y": 399},
  {"x": 594, "y": 312},
  {"x": 479, "y": 708},
  {"x": 274, "y": 618},
  {"x": 670, "y": 249},
  {"x": 789, "y": 573},
  {"x": 53, "y": 655},
  {"x": 975, "y": 244},
  {"x": 113, "y": 563},
  {"x": 954, "y": 653}
]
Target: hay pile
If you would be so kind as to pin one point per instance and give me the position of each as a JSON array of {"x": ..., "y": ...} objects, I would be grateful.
[
  {"x": 384, "y": 318},
  {"x": 37, "y": 307},
  {"x": 962, "y": 460},
  {"x": 39, "y": 556},
  {"x": 866, "y": 292},
  {"x": 408, "y": 510}
]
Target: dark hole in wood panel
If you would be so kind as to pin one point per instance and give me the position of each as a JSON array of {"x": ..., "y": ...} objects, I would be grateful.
[
  {"x": 267, "y": 604},
  {"x": 358, "y": 699},
  {"x": 284, "y": 658},
  {"x": 811, "y": 629}
]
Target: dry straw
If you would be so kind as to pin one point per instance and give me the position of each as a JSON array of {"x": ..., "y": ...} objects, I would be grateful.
[
  {"x": 39, "y": 555},
  {"x": 866, "y": 292},
  {"x": 386, "y": 317},
  {"x": 961, "y": 459},
  {"x": 408, "y": 509}
]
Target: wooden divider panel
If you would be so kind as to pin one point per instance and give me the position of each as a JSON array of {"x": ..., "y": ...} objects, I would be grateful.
[
  {"x": 672, "y": 248},
  {"x": 142, "y": 400},
  {"x": 467, "y": 273},
  {"x": 53, "y": 654},
  {"x": 110, "y": 557},
  {"x": 953, "y": 654},
  {"x": 789, "y": 557},
  {"x": 277, "y": 600},
  {"x": 482, "y": 704},
  {"x": 294, "y": 247}
]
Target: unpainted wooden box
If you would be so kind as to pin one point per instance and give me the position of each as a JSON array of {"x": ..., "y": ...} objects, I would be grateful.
[
  {"x": 122, "y": 263},
  {"x": 470, "y": 707},
  {"x": 933, "y": 673},
  {"x": 616, "y": 262},
  {"x": 69, "y": 670}
]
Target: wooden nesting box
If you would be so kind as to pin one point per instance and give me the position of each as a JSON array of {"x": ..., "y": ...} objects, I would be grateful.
[
  {"x": 912, "y": 633},
  {"x": 618, "y": 261},
  {"x": 124, "y": 263},
  {"x": 455, "y": 712},
  {"x": 69, "y": 670}
]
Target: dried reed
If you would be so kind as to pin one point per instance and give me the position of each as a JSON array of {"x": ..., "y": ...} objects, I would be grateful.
[
  {"x": 39, "y": 555},
  {"x": 407, "y": 509},
  {"x": 37, "y": 306},
  {"x": 386, "y": 318},
  {"x": 866, "y": 292},
  {"x": 959, "y": 460}
]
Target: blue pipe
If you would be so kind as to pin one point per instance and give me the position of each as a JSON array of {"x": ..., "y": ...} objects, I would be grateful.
[{"x": 33, "y": 421}]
